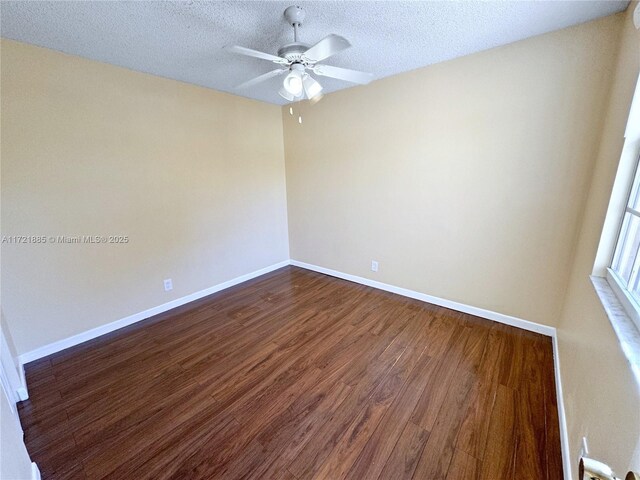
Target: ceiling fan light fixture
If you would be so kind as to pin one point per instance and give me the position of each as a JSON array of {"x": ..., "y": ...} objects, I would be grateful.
[
  {"x": 311, "y": 87},
  {"x": 286, "y": 95},
  {"x": 316, "y": 99},
  {"x": 293, "y": 82}
]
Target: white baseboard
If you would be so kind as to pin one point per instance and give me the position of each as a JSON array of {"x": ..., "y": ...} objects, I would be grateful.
[
  {"x": 23, "y": 391},
  {"x": 564, "y": 435},
  {"x": 478, "y": 312},
  {"x": 11, "y": 372},
  {"x": 23, "y": 394},
  {"x": 35, "y": 472},
  {"x": 123, "y": 322},
  {"x": 460, "y": 307}
]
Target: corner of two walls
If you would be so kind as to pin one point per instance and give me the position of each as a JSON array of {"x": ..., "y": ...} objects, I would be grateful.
[
  {"x": 435, "y": 174},
  {"x": 465, "y": 180},
  {"x": 601, "y": 394},
  {"x": 193, "y": 178}
]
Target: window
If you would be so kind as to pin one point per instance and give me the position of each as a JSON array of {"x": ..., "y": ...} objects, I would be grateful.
[
  {"x": 624, "y": 274},
  {"x": 620, "y": 290}
]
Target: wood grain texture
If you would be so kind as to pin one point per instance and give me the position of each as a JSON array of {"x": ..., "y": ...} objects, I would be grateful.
[{"x": 297, "y": 375}]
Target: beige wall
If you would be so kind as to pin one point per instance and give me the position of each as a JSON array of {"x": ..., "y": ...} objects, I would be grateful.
[
  {"x": 602, "y": 397},
  {"x": 465, "y": 180},
  {"x": 194, "y": 177}
]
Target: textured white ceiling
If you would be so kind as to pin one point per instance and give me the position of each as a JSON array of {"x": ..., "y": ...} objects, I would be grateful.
[{"x": 183, "y": 40}]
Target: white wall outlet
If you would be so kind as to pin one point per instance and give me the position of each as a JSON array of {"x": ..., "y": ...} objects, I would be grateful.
[
  {"x": 168, "y": 285},
  {"x": 636, "y": 17},
  {"x": 584, "y": 447},
  {"x": 374, "y": 266}
]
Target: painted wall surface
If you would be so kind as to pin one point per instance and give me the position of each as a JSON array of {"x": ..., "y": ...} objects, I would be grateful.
[
  {"x": 601, "y": 395},
  {"x": 194, "y": 178},
  {"x": 465, "y": 180},
  {"x": 14, "y": 459}
]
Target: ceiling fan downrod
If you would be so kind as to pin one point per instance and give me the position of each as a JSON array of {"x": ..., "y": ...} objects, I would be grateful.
[{"x": 295, "y": 16}]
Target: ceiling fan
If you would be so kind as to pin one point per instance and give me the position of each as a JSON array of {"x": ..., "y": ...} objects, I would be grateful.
[{"x": 298, "y": 59}]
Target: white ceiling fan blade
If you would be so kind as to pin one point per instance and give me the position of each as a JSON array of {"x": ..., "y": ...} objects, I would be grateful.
[
  {"x": 352, "y": 76},
  {"x": 263, "y": 77},
  {"x": 329, "y": 45},
  {"x": 255, "y": 53}
]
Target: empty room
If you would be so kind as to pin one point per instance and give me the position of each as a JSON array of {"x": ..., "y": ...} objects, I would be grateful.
[{"x": 331, "y": 240}]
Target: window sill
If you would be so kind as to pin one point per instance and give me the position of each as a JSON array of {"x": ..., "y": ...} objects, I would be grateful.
[{"x": 626, "y": 331}]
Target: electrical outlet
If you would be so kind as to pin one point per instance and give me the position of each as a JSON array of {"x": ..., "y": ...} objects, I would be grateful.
[
  {"x": 636, "y": 17},
  {"x": 374, "y": 266},
  {"x": 168, "y": 285}
]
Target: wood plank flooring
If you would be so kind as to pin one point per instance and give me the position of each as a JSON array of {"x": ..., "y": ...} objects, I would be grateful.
[{"x": 298, "y": 375}]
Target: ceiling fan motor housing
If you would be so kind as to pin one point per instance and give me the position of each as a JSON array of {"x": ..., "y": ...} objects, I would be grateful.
[{"x": 293, "y": 52}]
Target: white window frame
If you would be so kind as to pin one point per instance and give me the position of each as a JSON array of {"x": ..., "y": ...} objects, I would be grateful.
[{"x": 629, "y": 301}]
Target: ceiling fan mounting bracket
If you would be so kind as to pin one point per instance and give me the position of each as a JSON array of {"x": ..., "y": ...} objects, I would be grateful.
[{"x": 294, "y": 15}]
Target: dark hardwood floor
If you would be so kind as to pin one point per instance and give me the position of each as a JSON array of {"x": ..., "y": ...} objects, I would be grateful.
[{"x": 298, "y": 375}]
